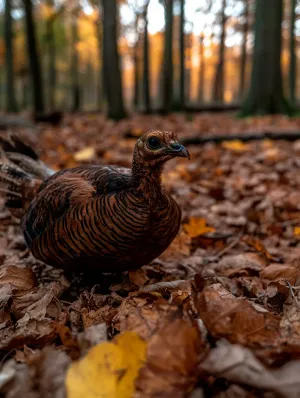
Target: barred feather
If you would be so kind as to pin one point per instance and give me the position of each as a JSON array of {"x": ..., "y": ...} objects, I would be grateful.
[{"x": 102, "y": 217}]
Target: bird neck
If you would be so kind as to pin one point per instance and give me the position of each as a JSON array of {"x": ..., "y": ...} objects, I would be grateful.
[{"x": 147, "y": 178}]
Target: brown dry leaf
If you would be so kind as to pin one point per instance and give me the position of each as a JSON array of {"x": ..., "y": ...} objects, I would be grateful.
[
  {"x": 236, "y": 319},
  {"x": 21, "y": 279},
  {"x": 142, "y": 312},
  {"x": 257, "y": 245},
  {"x": 238, "y": 364},
  {"x": 196, "y": 227},
  {"x": 138, "y": 277},
  {"x": 179, "y": 248},
  {"x": 276, "y": 272},
  {"x": 244, "y": 263},
  {"x": 43, "y": 377},
  {"x": 174, "y": 351}
]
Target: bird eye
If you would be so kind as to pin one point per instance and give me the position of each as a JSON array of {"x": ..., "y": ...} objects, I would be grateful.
[{"x": 153, "y": 143}]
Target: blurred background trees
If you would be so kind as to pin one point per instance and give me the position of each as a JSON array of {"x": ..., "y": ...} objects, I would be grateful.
[{"x": 120, "y": 56}]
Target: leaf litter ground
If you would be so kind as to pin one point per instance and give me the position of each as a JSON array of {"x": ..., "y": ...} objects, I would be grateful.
[{"x": 217, "y": 315}]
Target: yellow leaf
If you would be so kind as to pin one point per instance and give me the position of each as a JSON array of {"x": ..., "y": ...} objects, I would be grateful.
[
  {"x": 197, "y": 227},
  {"x": 296, "y": 231},
  {"x": 235, "y": 145},
  {"x": 108, "y": 370},
  {"x": 85, "y": 154}
]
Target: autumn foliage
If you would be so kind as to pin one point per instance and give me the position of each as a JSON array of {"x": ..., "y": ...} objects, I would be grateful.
[{"x": 217, "y": 314}]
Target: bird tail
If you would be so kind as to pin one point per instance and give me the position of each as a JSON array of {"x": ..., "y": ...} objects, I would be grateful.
[{"x": 21, "y": 173}]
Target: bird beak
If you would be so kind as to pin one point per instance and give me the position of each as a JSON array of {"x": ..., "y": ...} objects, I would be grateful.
[{"x": 181, "y": 152}]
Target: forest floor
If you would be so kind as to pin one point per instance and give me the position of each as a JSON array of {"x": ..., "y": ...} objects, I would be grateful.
[{"x": 217, "y": 315}]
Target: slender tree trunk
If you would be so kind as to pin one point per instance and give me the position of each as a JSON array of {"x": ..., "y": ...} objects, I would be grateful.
[
  {"x": 75, "y": 87},
  {"x": 136, "y": 65},
  {"x": 11, "y": 103},
  {"x": 146, "y": 68},
  {"x": 112, "y": 72},
  {"x": 218, "y": 94},
  {"x": 182, "y": 55},
  {"x": 266, "y": 91},
  {"x": 293, "y": 60},
  {"x": 244, "y": 50},
  {"x": 201, "y": 68},
  {"x": 34, "y": 61},
  {"x": 168, "y": 58},
  {"x": 100, "y": 71},
  {"x": 51, "y": 59}
]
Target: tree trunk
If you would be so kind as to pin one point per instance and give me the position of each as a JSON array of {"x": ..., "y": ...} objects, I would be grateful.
[
  {"x": 244, "y": 50},
  {"x": 51, "y": 59},
  {"x": 75, "y": 88},
  {"x": 11, "y": 103},
  {"x": 182, "y": 55},
  {"x": 218, "y": 94},
  {"x": 293, "y": 60},
  {"x": 100, "y": 71},
  {"x": 168, "y": 58},
  {"x": 266, "y": 91},
  {"x": 136, "y": 65},
  {"x": 201, "y": 68},
  {"x": 146, "y": 68},
  {"x": 34, "y": 61},
  {"x": 111, "y": 70}
]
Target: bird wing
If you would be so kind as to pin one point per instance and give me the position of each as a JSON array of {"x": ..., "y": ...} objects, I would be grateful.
[{"x": 69, "y": 189}]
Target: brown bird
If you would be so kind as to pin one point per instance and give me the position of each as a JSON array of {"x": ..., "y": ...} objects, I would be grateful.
[{"x": 103, "y": 218}]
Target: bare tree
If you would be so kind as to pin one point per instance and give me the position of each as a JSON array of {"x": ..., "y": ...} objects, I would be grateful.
[
  {"x": 11, "y": 103},
  {"x": 34, "y": 60},
  {"x": 146, "y": 66},
  {"x": 111, "y": 61},
  {"x": 218, "y": 93},
  {"x": 266, "y": 90},
  {"x": 293, "y": 59},
  {"x": 182, "y": 54},
  {"x": 168, "y": 58},
  {"x": 244, "y": 49}
]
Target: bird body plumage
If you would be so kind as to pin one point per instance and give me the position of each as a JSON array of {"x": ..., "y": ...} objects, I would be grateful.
[{"x": 104, "y": 218}]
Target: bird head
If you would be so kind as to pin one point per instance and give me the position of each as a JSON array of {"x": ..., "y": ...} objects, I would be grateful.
[{"x": 157, "y": 147}]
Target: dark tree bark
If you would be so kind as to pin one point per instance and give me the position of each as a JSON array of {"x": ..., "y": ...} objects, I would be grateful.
[
  {"x": 51, "y": 58},
  {"x": 266, "y": 91},
  {"x": 111, "y": 67},
  {"x": 136, "y": 64},
  {"x": 34, "y": 61},
  {"x": 201, "y": 68},
  {"x": 182, "y": 55},
  {"x": 100, "y": 71},
  {"x": 146, "y": 66},
  {"x": 168, "y": 58},
  {"x": 75, "y": 87},
  {"x": 293, "y": 60},
  {"x": 11, "y": 103},
  {"x": 218, "y": 93},
  {"x": 244, "y": 50}
]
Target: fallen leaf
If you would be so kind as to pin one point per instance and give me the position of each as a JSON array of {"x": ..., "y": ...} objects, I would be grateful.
[
  {"x": 275, "y": 272},
  {"x": 296, "y": 231},
  {"x": 20, "y": 279},
  {"x": 235, "y": 145},
  {"x": 238, "y": 364},
  {"x": 174, "y": 352},
  {"x": 85, "y": 154},
  {"x": 110, "y": 368},
  {"x": 197, "y": 226}
]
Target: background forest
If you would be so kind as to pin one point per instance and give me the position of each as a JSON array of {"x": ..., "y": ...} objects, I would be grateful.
[{"x": 141, "y": 55}]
